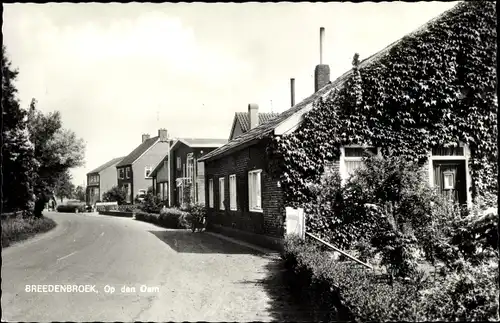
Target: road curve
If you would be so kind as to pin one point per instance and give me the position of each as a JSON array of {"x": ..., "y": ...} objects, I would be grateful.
[{"x": 188, "y": 276}]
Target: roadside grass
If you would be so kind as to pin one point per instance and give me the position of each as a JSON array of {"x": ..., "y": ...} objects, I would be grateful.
[{"x": 15, "y": 229}]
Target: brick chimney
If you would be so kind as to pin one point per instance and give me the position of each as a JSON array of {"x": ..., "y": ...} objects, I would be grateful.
[
  {"x": 292, "y": 91},
  {"x": 253, "y": 115},
  {"x": 163, "y": 134},
  {"x": 322, "y": 71},
  {"x": 145, "y": 137}
]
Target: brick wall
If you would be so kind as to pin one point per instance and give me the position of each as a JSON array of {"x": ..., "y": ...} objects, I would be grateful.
[{"x": 270, "y": 222}]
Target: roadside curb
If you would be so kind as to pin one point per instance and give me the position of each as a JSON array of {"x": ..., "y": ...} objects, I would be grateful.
[{"x": 242, "y": 243}]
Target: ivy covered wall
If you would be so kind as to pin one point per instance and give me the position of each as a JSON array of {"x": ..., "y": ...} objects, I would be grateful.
[{"x": 434, "y": 88}]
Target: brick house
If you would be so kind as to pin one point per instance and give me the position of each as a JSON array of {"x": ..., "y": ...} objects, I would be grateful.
[
  {"x": 134, "y": 171},
  {"x": 246, "y": 201},
  {"x": 185, "y": 171},
  {"x": 101, "y": 179}
]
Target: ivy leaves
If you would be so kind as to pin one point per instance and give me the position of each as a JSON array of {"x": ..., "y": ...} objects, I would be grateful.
[{"x": 434, "y": 87}]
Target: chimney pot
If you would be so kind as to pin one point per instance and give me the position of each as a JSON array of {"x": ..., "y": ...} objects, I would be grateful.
[
  {"x": 253, "y": 115},
  {"x": 292, "y": 90},
  {"x": 145, "y": 137},
  {"x": 322, "y": 71}
]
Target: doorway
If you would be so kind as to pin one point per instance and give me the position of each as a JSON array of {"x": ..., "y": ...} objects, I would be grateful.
[{"x": 450, "y": 179}]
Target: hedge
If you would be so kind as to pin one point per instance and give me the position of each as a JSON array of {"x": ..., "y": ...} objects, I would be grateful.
[
  {"x": 336, "y": 290},
  {"x": 172, "y": 218}
]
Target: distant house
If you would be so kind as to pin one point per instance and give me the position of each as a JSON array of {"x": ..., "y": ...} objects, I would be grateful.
[
  {"x": 101, "y": 180},
  {"x": 241, "y": 121},
  {"x": 247, "y": 201},
  {"x": 186, "y": 174},
  {"x": 134, "y": 171}
]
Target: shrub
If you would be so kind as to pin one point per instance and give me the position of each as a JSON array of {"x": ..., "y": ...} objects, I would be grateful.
[
  {"x": 167, "y": 217},
  {"x": 151, "y": 203},
  {"x": 340, "y": 291},
  {"x": 115, "y": 194},
  {"x": 20, "y": 228}
]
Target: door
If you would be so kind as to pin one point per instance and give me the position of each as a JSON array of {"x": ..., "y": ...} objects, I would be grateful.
[{"x": 450, "y": 179}]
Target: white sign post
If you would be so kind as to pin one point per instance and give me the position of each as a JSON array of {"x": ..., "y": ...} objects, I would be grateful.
[{"x": 295, "y": 222}]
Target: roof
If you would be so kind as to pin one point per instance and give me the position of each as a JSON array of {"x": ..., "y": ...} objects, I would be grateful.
[
  {"x": 106, "y": 165},
  {"x": 244, "y": 119},
  {"x": 138, "y": 151},
  {"x": 266, "y": 129},
  {"x": 202, "y": 142}
]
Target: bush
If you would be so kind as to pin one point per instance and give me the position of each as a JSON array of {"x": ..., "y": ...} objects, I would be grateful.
[
  {"x": 167, "y": 217},
  {"x": 340, "y": 291},
  {"x": 151, "y": 203},
  {"x": 115, "y": 194},
  {"x": 20, "y": 228}
]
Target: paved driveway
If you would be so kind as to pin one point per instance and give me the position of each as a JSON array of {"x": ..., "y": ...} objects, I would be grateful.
[{"x": 156, "y": 275}]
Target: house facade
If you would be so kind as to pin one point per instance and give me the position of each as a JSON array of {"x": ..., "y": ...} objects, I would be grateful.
[
  {"x": 181, "y": 168},
  {"x": 100, "y": 180},
  {"x": 134, "y": 171},
  {"x": 188, "y": 175},
  {"x": 246, "y": 199}
]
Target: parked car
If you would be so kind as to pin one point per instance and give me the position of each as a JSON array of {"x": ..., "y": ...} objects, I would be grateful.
[
  {"x": 141, "y": 195},
  {"x": 72, "y": 206}
]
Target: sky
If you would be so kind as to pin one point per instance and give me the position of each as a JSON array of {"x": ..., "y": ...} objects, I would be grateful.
[{"x": 116, "y": 71}]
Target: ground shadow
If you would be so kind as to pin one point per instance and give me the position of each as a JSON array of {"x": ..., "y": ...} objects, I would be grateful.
[
  {"x": 283, "y": 307},
  {"x": 186, "y": 241}
]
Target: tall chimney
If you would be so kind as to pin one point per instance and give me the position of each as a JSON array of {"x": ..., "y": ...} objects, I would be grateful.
[
  {"x": 322, "y": 71},
  {"x": 145, "y": 137},
  {"x": 292, "y": 90},
  {"x": 163, "y": 134},
  {"x": 253, "y": 115}
]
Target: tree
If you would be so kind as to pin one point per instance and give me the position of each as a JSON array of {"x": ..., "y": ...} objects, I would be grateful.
[
  {"x": 115, "y": 194},
  {"x": 18, "y": 164},
  {"x": 64, "y": 188},
  {"x": 56, "y": 150},
  {"x": 80, "y": 193}
]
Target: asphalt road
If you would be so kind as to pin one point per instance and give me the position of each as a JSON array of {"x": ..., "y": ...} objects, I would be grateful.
[{"x": 136, "y": 271}]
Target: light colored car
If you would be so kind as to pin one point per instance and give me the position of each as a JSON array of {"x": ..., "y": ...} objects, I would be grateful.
[{"x": 141, "y": 195}]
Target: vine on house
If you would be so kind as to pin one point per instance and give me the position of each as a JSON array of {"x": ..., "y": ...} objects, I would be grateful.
[{"x": 435, "y": 88}]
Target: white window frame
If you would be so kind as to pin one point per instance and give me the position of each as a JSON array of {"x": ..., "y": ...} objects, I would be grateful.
[
  {"x": 146, "y": 168},
  {"x": 190, "y": 166},
  {"x": 127, "y": 172},
  {"x": 221, "y": 193},
  {"x": 211, "y": 193},
  {"x": 464, "y": 157},
  {"x": 343, "y": 159},
  {"x": 255, "y": 191},
  {"x": 179, "y": 162},
  {"x": 233, "y": 206},
  {"x": 120, "y": 173}
]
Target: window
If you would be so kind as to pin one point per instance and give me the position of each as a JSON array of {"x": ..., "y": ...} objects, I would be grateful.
[
  {"x": 147, "y": 171},
  {"x": 179, "y": 165},
  {"x": 448, "y": 180},
  {"x": 353, "y": 158},
  {"x": 232, "y": 193},
  {"x": 450, "y": 151},
  {"x": 190, "y": 166},
  {"x": 211, "y": 193},
  {"x": 254, "y": 191},
  {"x": 127, "y": 172},
  {"x": 120, "y": 173},
  {"x": 221, "y": 193}
]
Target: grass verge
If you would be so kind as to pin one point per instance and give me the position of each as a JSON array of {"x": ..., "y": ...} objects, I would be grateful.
[{"x": 15, "y": 229}]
